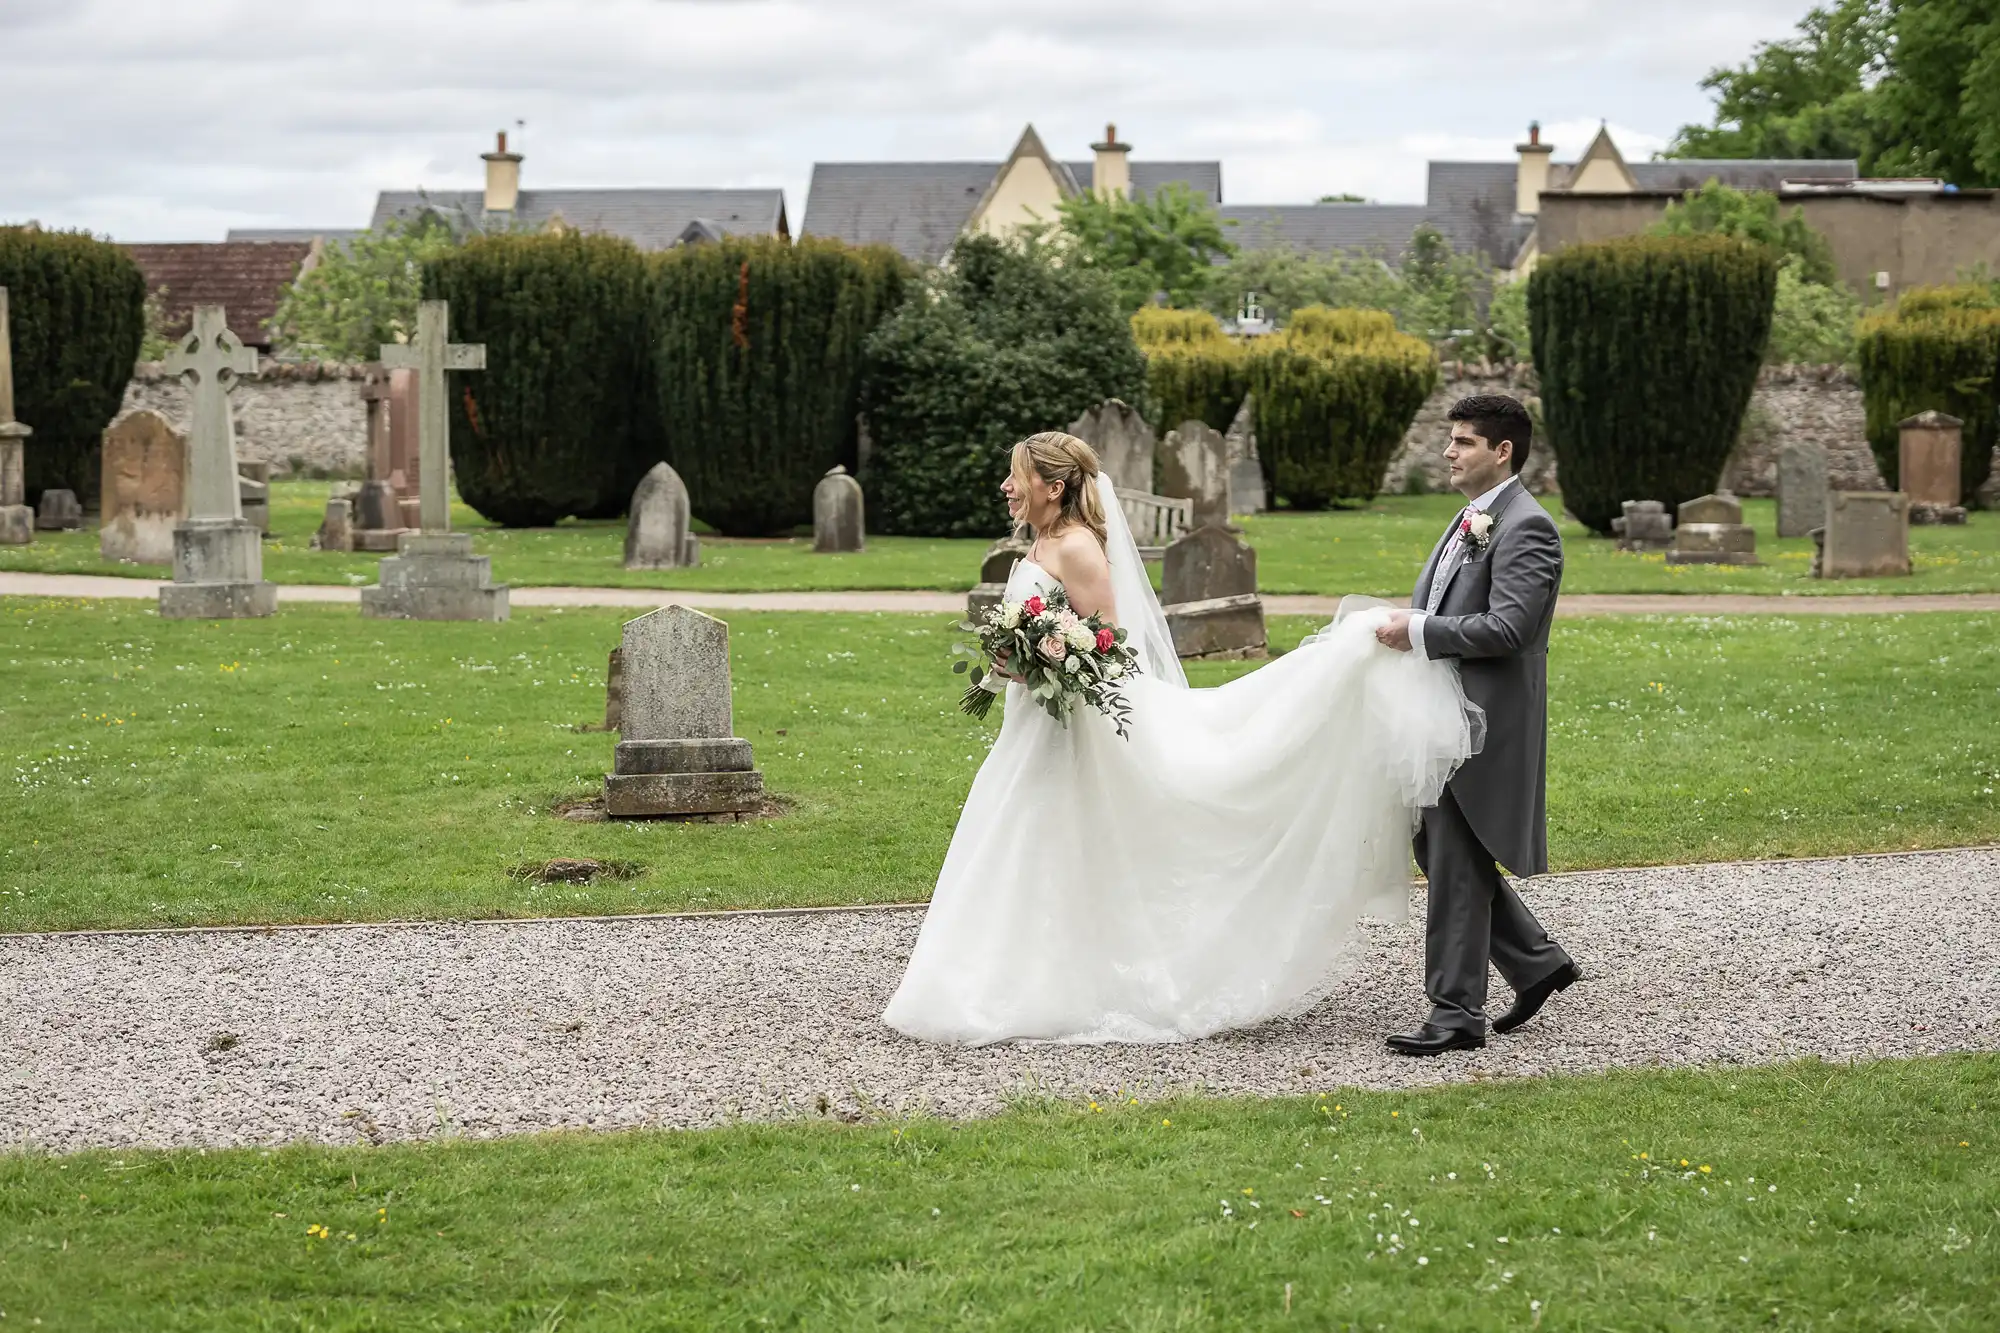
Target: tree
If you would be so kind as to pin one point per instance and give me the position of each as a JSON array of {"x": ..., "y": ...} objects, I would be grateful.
[
  {"x": 1286, "y": 278},
  {"x": 1938, "y": 349},
  {"x": 1150, "y": 245},
  {"x": 1811, "y": 321},
  {"x": 363, "y": 293},
  {"x": 1003, "y": 341},
  {"x": 1751, "y": 216}
]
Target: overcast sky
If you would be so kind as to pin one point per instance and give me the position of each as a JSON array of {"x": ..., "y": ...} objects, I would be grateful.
[{"x": 176, "y": 121}]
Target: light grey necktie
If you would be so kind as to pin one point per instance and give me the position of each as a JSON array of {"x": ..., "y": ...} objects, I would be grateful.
[{"x": 1446, "y": 560}]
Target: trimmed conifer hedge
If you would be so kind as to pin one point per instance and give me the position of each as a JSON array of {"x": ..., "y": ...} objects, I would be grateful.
[
  {"x": 1647, "y": 349},
  {"x": 544, "y": 431},
  {"x": 1939, "y": 349},
  {"x": 1000, "y": 343},
  {"x": 759, "y": 356},
  {"x": 1335, "y": 397},
  {"x": 1158, "y": 326},
  {"x": 77, "y": 307}
]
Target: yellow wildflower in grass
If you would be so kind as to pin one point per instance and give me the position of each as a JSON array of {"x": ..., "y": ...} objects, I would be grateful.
[
  {"x": 1167, "y": 1124},
  {"x": 1705, "y": 1170}
]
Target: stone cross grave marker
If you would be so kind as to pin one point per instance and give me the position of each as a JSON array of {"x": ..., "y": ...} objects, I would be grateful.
[
  {"x": 677, "y": 755},
  {"x": 430, "y": 356},
  {"x": 839, "y": 514},
  {"x": 17, "y": 521},
  {"x": 218, "y": 554},
  {"x": 1801, "y": 489},
  {"x": 377, "y": 516}
]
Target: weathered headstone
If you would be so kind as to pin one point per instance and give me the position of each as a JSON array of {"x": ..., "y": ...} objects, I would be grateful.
[
  {"x": 17, "y": 521},
  {"x": 657, "y": 526},
  {"x": 59, "y": 511},
  {"x": 1711, "y": 531},
  {"x": 1194, "y": 465},
  {"x": 406, "y": 464},
  {"x": 677, "y": 755},
  {"x": 1929, "y": 448},
  {"x": 1208, "y": 563},
  {"x": 1644, "y": 526},
  {"x": 1124, "y": 443},
  {"x": 218, "y": 554},
  {"x": 1246, "y": 470},
  {"x": 144, "y": 489},
  {"x": 1801, "y": 488},
  {"x": 434, "y": 575},
  {"x": 254, "y": 495},
  {"x": 1867, "y": 535},
  {"x": 614, "y": 690},
  {"x": 995, "y": 568},
  {"x": 336, "y": 530},
  {"x": 839, "y": 514},
  {"x": 1224, "y": 627}
]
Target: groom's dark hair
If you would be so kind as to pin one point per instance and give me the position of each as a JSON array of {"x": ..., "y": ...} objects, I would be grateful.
[{"x": 1496, "y": 417}]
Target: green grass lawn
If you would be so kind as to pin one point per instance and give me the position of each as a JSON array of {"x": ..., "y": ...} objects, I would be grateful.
[
  {"x": 1801, "y": 1197},
  {"x": 316, "y": 766},
  {"x": 1377, "y": 550}
]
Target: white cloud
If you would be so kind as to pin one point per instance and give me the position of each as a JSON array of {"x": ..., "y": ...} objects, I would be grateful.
[{"x": 150, "y": 121}]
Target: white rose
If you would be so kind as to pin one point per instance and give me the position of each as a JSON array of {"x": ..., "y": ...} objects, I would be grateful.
[
  {"x": 1010, "y": 616},
  {"x": 1079, "y": 639},
  {"x": 1480, "y": 525}
]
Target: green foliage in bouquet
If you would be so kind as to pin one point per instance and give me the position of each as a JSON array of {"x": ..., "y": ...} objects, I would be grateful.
[
  {"x": 1000, "y": 343},
  {"x": 760, "y": 351},
  {"x": 77, "y": 305},
  {"x": 1647, "y": 349},
  {"x": 545, "y": 430},
  {"x": 1938, "y": 350},
  {"x": 1335, "y": 394},
  {"x": 1061, "y": 658}
]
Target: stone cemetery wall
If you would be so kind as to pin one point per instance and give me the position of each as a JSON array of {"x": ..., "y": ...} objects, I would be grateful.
[{"x": 296, "y": 416}]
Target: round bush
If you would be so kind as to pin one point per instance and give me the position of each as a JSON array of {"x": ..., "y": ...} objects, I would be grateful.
[
  {"x": 997, "y": 345},
  {"x": 1339, "y": 327},
  {"x": 544, "y": 430},
  {"x": 1939, "y": 349},
  {"x": 1647, "y": 349},
  {"x": 1157, "y": 326},
  {"x": 1331, "y": 414},
  {"x": 77, "y": 307},
  {"x": 759, "y": 357}
]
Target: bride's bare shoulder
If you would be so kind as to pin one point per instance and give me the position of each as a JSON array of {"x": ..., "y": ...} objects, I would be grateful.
[{"x": 1075, "y": 553}]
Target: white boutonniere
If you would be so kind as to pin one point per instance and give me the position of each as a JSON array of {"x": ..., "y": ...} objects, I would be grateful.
[{"x": 1477, "y": 528}]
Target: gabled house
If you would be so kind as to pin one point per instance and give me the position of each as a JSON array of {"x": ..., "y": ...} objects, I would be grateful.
[{"x": 246, "y": 278}]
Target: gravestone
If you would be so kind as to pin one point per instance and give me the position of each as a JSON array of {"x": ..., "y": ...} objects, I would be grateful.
[
  {"x": 17, "y": 521},
  {"x": 1246, "y": 470},
  {"x": 1223, "y": 627},
  {"x": 254, "y": 495},
  {"x": 143, "y": 489},
  {"x": 406, "y": 464},
  {"x": 1867, "y": 535},
  {"x": 1208, "y": 563},
  {"x": 614, "y": 691},
  {"x": 1194, "y": 465},
  {"x": 378, "y": 511},
  {"x": 1124, "y": 443},
  {"x": 1929, "y": 448},
  {"x": 657, "y": 534},
  {"x": 434, "y": 575},
  {"x": 995, "y": 568},
  {"x": 218, "y": 554},
  {"x": 59, "y": 511},
  {"x": 839, "y": 514},
  {"x": 336, "y": 530},
  {"x": 677, "y": 755},
  {"x": 1644, "y": 526},
  {"x": 1801, "y": 489},
  {"x": 1710, "y": 531}
]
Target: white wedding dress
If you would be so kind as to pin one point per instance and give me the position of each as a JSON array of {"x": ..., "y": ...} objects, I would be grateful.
[{"x": 1206, "y": 873}]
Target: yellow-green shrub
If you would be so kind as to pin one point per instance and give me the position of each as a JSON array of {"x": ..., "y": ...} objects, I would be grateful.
[
  {"x": 1939, "y": 349},
  {"x": 1340, "y": 328},
  {"x": 1335, "y": 394},
  {"x": 1156, "y": 326}
]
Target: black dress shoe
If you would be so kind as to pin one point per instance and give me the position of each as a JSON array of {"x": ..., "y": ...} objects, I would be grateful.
[
  {"x": 1433, "y": 1040},
  {"x": 1530, "y": 1001}
]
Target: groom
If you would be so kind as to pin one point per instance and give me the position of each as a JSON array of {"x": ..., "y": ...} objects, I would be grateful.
[{"x": 1486, "y": 599}]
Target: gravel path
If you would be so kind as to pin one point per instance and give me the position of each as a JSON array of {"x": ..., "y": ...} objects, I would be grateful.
[
  {"x": 392, "y": 1032},
  {"x": 101, "y": 586}
]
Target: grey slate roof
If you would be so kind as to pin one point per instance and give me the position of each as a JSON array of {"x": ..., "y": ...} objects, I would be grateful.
[
  {"x": 1472, "y": 206},
  {"x": 920, "y": 207},
  {"x": 1323, "y": 228},
  {"x": 331, "y": 235},
  {"x": 1753, "y": 174},
  {"x": 650, "y": 219}
]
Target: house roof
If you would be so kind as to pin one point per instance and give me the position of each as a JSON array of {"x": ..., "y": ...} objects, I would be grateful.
[
  {"x": 331, "y": 235},
  {"x": 1472, "y": 206},
  {"x": 1321, "y": 228},
  {"x": 920, "y": 207},
  {"x": 1683, "y": 174},
  {"x": 650, "y": 219},
  {"x": 246, "y": 278}
]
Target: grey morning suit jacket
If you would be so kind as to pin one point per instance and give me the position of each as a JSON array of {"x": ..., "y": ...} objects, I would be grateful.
[{"x": 1494, "y": 618}]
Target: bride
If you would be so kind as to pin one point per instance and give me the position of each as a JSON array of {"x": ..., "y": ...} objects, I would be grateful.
[{"x": 1205, "y": 874}]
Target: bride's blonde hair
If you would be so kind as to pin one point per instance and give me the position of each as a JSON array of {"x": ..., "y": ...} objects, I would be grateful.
[{"x": 1058, "y": 457}]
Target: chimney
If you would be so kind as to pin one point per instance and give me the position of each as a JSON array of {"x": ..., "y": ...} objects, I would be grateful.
[
  {"x": 1533, "y": 176},
  {"x": 503, "y": 177},
  {"x": 1111, "y": 177}
]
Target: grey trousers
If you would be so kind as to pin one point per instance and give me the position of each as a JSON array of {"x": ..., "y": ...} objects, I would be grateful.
[{"x": 1474, "y": 916}]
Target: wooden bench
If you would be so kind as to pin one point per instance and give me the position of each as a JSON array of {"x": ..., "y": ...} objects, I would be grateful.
[{"x": 1155, "y": 520}]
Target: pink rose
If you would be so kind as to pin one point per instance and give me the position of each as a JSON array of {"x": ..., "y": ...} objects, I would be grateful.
[
  {"x": 1034, "y": 606},
  {"x": 1106, "y": 640},
  {"x": 1053, "y": 648}
]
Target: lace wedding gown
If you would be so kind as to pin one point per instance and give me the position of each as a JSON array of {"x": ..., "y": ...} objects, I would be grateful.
[{"x": 1205, "y": 874}]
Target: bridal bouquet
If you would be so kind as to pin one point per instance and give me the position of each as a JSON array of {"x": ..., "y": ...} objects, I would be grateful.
[{"x": 1060, "y": 656}]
